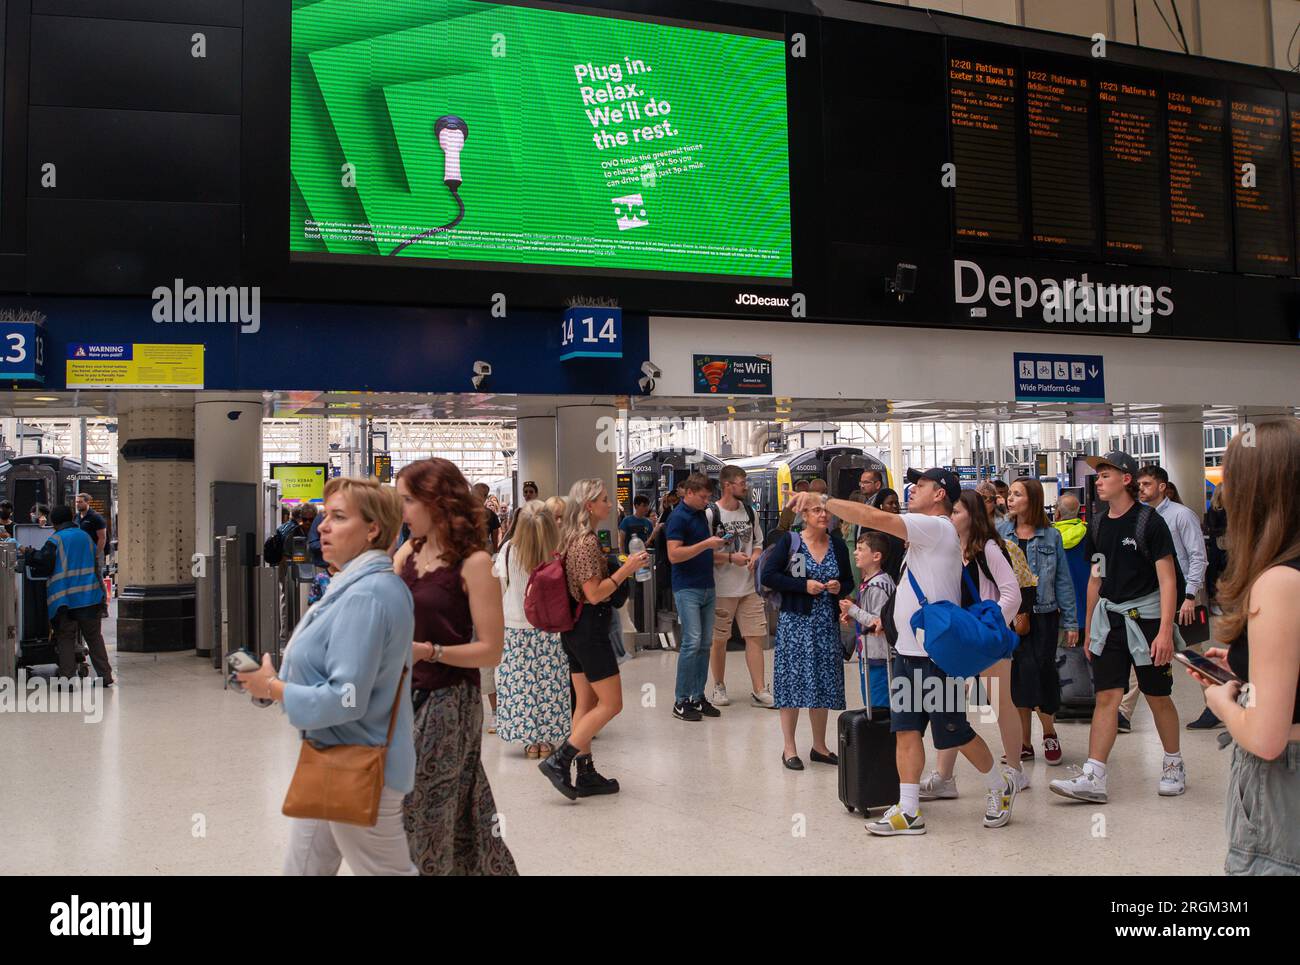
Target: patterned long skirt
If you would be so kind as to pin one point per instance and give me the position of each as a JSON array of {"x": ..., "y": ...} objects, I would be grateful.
[
  {"x": 451, "y": 821},
  {"x": 533, "y": 688}
]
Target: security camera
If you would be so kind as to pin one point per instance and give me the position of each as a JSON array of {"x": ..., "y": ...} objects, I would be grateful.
[
  {"x": 482, "y": 372},
  {"x": 650, "y": 370},
  {"x": 482, "y": 368},
  {"x": 904, "y": 281},
  {"x": 646, "y": 383}
]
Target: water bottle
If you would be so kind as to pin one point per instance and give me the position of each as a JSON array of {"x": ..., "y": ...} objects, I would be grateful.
[{"x": 634, "y": 546}]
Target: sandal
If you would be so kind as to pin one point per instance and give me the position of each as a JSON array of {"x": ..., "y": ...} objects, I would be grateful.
[
  {"x": 545, "y": 749},
  {"x": 533, "y": 751}
]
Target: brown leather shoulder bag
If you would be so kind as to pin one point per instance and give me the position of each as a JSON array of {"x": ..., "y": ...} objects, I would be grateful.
[{"x": 341, "y": 783}]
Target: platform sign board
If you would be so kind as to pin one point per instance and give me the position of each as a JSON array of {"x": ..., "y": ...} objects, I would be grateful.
[
  {"x": 22, "y": 352},
  {"x": 591, "y": 333},
  {"x": 1048, "y": 377},
  {"x": 119, "y": 365}
]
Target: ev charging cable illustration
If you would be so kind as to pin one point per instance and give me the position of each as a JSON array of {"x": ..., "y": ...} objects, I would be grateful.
[{"x": 451, "y": 132}]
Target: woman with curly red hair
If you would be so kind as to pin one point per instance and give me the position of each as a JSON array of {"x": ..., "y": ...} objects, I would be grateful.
[{"x": 459, "y": 627}]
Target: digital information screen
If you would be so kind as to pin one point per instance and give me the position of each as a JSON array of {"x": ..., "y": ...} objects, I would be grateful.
[
  {"x": 576, "y": 139},
  {"x": 982, "y": 95},
  {"x": 1060, "y": 169},
  {"x": 1260, "y": 202},
  {"x": 1295, "y": 164},
  {"x": 300, "y": 482},
  {"x": 1198, "y": 186},
  {"x": 1132, "y": 169}
]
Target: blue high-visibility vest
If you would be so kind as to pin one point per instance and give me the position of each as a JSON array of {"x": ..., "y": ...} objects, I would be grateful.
[{"x": 75, "y": 582}]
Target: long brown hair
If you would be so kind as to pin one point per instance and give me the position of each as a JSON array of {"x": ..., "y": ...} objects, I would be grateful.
[
  {"x": 1261, "y": 493},
  {"x": 1035, "y": 515},
  {"x": 459, "y": 518},
  {"x": 981, "y": 524}
]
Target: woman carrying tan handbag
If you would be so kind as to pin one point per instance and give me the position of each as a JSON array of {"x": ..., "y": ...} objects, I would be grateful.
[{"x": 342, "y": 684}]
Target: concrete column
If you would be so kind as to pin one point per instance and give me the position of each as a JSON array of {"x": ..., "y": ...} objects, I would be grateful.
[
  {"x": 578, "y": 455},
  {"x": 227, "y": 448},
  {"x": 1183, "y": 446},
  {"x": 313, "y": 440},
  {"x": 536, "y": 454},
  {"x": 896, "y": 466},
  {"x": 155, "y": 524}
]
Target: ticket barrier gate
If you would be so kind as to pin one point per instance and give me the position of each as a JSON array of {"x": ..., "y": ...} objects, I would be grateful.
[
  {"x": 9, "y": 610},
  {"x": 237, "y": 601}
]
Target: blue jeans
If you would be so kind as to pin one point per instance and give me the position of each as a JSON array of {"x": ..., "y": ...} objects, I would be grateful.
[{"x": 695, "y": 613}]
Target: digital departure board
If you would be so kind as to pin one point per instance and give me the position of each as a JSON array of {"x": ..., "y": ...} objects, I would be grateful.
[
  {"x": 1198, "y": 187},
  {"x": 1132, "y": 169},
  {"x": 982, "y": 97},
  {"x": 1060, "y": 158},
  {"x": 1295, "y": 163},
  {"x": 1260, "y": 172}
]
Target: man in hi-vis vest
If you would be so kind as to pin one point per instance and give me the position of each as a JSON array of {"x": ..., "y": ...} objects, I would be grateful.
[{"x": 74, "y": 595}]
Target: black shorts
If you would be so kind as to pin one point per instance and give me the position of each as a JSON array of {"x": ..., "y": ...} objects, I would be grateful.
[
  {"x": 1110, "y": 669},
  {"x": 588, "y": 645},
  {"x": 920, "y": 694}
]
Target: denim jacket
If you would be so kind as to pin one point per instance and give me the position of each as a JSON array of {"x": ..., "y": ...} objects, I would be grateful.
[{"x": 1046, "y": 556}]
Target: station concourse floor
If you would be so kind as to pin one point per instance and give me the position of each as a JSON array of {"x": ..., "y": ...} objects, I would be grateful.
[{"x": 183, "y": 778}]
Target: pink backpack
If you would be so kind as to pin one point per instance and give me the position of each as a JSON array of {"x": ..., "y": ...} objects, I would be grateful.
[{"x": 547, "y": 603}]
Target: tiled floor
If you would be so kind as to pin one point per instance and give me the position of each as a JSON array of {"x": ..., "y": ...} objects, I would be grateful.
[{"x": 181, "y": 777}]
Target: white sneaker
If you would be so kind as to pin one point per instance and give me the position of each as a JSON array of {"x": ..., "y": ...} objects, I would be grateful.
[
  {"x": 895, "y": 821},
  {"x": 997, "y": 809},
  {"x": 1086, "y": 786},
  {"x": 763, "y": 699},
  {"x": 1173, "y": 780},
  {"x": 720, "y": 698},
  {"x": 1021, "y": 776},
  {"x": 935, "y": 788}
]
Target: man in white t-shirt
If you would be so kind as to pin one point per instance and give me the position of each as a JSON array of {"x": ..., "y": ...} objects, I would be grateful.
[
  {"x": 733, "y": 518},
  {"x": 920, "y": 692}
]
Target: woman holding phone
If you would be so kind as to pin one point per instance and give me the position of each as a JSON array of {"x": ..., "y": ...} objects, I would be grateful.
[
  {"x": 339, "y": 679},
  {"x": 1260, "y": 596}
]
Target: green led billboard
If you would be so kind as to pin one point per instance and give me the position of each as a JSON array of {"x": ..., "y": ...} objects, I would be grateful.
[{"x": 490, "y": 133}]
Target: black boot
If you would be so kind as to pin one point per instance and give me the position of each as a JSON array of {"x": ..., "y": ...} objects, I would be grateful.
[
  {"x": 590, "y": 782},
  {"x": 557, "y": 767}
]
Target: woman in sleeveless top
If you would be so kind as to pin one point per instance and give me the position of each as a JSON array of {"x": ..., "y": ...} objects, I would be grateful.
[
  {"x": 991, "y": 572},
  {"x": 533, "y": 678},
  {"x": 450, "y": 817},
  {"x": 1260, "y": 597}
]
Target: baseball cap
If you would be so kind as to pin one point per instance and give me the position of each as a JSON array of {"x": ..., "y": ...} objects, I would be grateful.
[
  {"x": 943, "y": 477},
  {"x": 1116, "y": 459}
]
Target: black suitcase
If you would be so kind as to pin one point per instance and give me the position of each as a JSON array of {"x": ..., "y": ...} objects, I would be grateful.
[{"x": 868, "y": 768}]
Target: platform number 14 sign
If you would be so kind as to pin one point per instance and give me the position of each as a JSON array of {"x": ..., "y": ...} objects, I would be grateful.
[{"x": 591, "y": 333}]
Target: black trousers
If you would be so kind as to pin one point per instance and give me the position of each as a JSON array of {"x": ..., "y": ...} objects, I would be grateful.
[{"x": 86, "y": 619}]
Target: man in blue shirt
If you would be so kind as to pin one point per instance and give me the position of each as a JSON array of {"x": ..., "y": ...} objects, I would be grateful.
[
  {"x": 639, "y": 523},
  {"x": 691, "y": 549}
]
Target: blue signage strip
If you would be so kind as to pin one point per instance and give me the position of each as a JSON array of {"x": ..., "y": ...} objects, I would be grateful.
[
  {"x": 733, "y": 374},
  {"x": 1044, "y": 377},
  {"x": 591, "y": 333},
  {"x": 23, "y": 351}
]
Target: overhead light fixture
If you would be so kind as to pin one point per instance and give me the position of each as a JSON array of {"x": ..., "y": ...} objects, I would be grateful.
[{"x": 45, "y": 398}]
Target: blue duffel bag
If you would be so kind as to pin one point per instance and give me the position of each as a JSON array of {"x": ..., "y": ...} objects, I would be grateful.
[{"x": 963, "y": 642}]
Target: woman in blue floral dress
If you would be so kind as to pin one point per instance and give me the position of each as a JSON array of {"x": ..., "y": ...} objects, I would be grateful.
[{"x": 808, "y": 665}]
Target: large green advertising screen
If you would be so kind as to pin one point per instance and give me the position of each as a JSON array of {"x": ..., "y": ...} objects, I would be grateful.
[{"x": 492, "y": 133}]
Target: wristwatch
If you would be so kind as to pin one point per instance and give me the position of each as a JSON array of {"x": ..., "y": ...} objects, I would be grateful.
[
  {"x": 826, "y": 498},
  {"x": 437, "y": 653}
]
